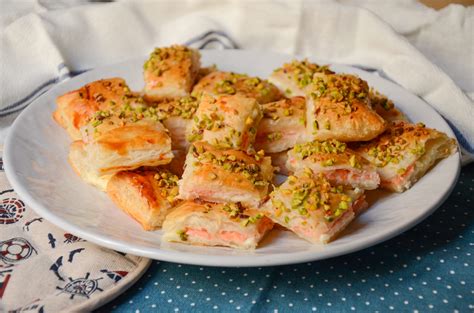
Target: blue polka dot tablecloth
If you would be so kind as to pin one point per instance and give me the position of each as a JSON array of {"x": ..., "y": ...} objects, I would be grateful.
[{"x": 429, "y": 268}]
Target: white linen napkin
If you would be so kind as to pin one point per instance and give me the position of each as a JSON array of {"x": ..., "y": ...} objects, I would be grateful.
[{"x": 44, "y": 48}]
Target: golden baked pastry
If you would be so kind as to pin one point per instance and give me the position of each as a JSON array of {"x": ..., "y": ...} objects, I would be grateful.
[
  {"x": 282, "y": 125},
  {"x": 75, "y": 108},
  {"x": 312, "y": 208},
  {"x": 339, "y": 164},
  {"x": 228, "y": 83},
  {"x": 405, "y": 152},
  {"x": 338, "y": 107},
  {"x": 170, "y": 72},
  {"x": 225, "y": 175},
  {"x": 147, "y": 196},
  {"x": 125, "y": 140},
  {"x": 215, "y": 224},
  {"x": 226, "y": 121},
  {"x": 294, "y": 78},
  {"x": 176, "y": 115}
]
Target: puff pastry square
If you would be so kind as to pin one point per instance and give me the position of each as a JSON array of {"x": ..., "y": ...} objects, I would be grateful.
[
  {"x": 282, "y": 125},
  {"x": 294, "y": 78},
  {"x": 170, "y": 72},
  {"x": 225, "y": 175},
  {"x": 312, "y": 208},
  {"x": 338, "y": 107},
  {"x": 125, "y": 141},
  {"x": 228, "y": 83},
  {"x": 215, "y": 224},
  {"x": 339, "y": 164},
  {"x": 226, "y": 121},
  {"x": 147, "y": 196},
  {"x": 405, "y": 152},
  {"x": 75, "y": 108},
  {"x": 176, "y": 115}
]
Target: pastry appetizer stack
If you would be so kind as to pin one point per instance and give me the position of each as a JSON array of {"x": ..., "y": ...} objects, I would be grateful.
[
  {"x": 148, "y": 195},
  {"x": 193, "y": 152},
  {"x": 76, "y": 108},
  {"x": 170, "y": 72},
  {"x": 226, "y": 121},
  {"x": 339, "y": 164},
  {"x": 215, "y": 224},
  {"x": 338, "y": 107},
  {"x": 224, "y": 179},
  {"x": 282, "y": 125},
  {"x": 225, "y": 175},
  {"x": 176, "y": 115},
  {"x": 295, "y": 78},
  {"x": 308, "y": 205},
  {"x": 405, "y": 152}
]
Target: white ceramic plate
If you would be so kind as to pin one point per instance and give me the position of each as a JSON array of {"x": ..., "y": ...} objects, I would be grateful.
[{"x": 36, "y": 165}]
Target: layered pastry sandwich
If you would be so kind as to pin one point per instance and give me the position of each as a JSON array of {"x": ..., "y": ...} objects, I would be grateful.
[
  {"x": 216, "y": 224},
  {"x": 338, "y": 107},
  {"x": 177, "y": 115},
  {"x": 225, "y": 175},
  {"x": 405, "y": 152},
  {"x": 147, "y": 196},
  {"x": 295, "y": 78},
  {"x": 124, "y": 140},
  {"x": 77, "y": 107},
  {"x": 339, "y": 164},
  {"x": 226, "y": 121},
  {"x": 308, "y": 205},
  {"x": 170, "y": 72},
  {"x": 282, "y": 125}
]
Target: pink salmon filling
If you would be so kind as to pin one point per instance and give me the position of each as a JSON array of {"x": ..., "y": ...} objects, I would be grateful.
[{"x": 226, "y": 236}]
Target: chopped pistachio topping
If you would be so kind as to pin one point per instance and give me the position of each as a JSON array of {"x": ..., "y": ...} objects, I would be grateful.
[
  {"x": 210, "y": 122},
  {"x": 229, "y": 162},
  {"x": 283, "y": 108},
  {"x": 379, "y": 100},
  {"x": 168, "y": 182},
  {"x": 315, "y": 147},
  {"x": 159, "y": 59},
  {"x": 182, "y": 235},
  {"x": 340, "y": 89},
  {"x": 354, "y": 162},
  {"x": 240, "y": 83},
  {"x": 252, "y": 219},
  {"x": 401, "y": 171},
  {"x": 309, "y": 194},
  {"x": 184, "y": 107},
  {"x": 274, "y": 136},
  {"x": 392, "y": 146},
  {"x": 302, "y": 72},
  {"x": 234, "y": 210}
]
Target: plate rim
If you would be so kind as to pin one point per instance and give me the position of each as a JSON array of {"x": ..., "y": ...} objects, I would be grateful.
[{"x": 197, "y": 258}]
